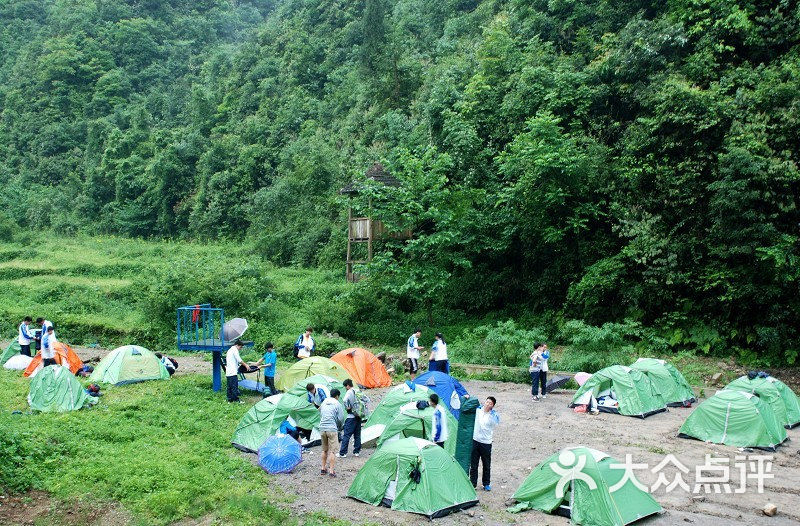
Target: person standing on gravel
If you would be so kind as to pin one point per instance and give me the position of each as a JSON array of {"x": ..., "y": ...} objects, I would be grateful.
[
  {"x": 352, "y": 424},
  {"x": 486, "y": 420},
  {"x": 538, "y": 369},
  {"x": 331, "y": 419}
]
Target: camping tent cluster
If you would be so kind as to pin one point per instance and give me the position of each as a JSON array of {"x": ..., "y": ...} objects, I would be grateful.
[
  {"x": 406, "y": 471},
  {"x": 55, "y": 388},
  {"x": 645, "y": 388},
  {"x": 752, "y": 411}
]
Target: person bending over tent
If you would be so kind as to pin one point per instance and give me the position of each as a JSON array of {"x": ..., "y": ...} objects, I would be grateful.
[
  {"x": 438, "y": 421},
  {"x": 170, "y": 364},
  {"x": 317, "y": 394},
  {"x": 305, "y": 345},
  {"x": 24, "y": 338},
  {"x": 48, "y": 352},
  {"x": 331, "y": 419},
  {"x": 486, "y": 420}
]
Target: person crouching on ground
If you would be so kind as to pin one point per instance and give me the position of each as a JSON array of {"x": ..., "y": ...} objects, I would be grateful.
[
  {"x": 48, "y": 351},
  {"x": 486, "y": 420},
  {"x": 331, "y": 418},
  {"x": 169, "y": 364},
  {"x": 439, "y": 421},
  {"x": 352, "y": 424},
  {"x": 24, "y": 339},
  {"x": 232, "y": 362}
]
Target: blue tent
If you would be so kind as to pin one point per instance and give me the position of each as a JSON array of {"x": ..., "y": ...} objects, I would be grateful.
[
  {"x": 444, "y": 385},
  {"x": 279, "y": 454}
]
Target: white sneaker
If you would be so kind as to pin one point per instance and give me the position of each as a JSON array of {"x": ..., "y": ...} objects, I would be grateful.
[
  {"x": 544, "y": 396},
  {"x": 356, "y": 454},
  {"x": 339, "y": 455}
]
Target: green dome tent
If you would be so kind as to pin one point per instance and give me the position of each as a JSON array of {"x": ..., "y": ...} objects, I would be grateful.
[
  {"x": 578, "y": 482},
  {"x": 265, "y": 418},
  {"x": 735, "y": 418},
  {"x": 631, "y": 388},
  {"x": 388, "y": 479},
  {"x": 781, "y": 399},
  {"x": 12, "y": 349},
  {"x": 389, "y": 406},
  {"x": 667, "y": 380},
  {"x": 309, "y": 367},
  {"x": 413, "y": 422},
  {"x": 129, "y": 364},
  {"x": 55, "y": 389}
]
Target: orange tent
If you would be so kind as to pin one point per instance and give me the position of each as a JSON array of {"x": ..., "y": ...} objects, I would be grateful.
[
  {"x": 64, "y": 356},
  {"x": 364, "y": 368}
]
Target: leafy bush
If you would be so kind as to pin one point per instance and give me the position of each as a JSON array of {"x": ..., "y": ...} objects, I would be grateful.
[
  {"x": 502, "y": 344},
  {"x": 7, "y": 228}
]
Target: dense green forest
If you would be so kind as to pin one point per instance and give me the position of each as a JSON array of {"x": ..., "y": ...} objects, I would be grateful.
[{"x": 616, "y": 162}]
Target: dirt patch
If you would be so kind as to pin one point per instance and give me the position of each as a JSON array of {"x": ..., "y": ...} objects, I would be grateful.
[{"x": 532, "y": 431}]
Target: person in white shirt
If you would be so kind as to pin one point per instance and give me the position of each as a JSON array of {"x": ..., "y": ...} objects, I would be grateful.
[
  {"x": 439, "y": 421},
  {"x": 44, "y": 324},
  {"x": 486, "y": 420},
  {"x": 48, "y": 351},
  {"x": 232, "y": 362},
  {"x": 24, "y": 338},
  {"x": 438, "y": 360},
  {"x": 305, "y": 345},
  {"x": 412, "y": 353}
]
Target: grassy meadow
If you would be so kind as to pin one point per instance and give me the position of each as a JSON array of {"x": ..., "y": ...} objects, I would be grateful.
[
  {"x": 160, "y": 449},
  {"x": 110, "y": 291}
]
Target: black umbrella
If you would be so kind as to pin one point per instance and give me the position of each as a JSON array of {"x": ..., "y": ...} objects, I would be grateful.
[{"x": 557, "y": 382}]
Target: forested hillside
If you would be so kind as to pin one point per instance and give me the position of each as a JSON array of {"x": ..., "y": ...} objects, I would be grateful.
[{"x": 599, "y": 160}]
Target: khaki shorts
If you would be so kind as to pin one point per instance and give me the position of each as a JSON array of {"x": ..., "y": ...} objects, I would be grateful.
[{"x": 330, "y": 440}]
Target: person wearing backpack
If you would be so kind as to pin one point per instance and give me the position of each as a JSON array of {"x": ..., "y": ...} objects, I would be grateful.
[{"x": 352, "y": 424}]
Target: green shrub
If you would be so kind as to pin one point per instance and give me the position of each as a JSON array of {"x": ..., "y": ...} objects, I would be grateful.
[
  {"x": 502, "y": 344},
  {"x": 7, "y": 228}
]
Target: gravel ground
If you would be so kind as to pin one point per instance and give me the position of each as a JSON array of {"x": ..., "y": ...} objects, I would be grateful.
[{"x": 532, "y": 431}]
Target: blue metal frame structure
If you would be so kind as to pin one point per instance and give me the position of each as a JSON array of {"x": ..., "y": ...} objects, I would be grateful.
[{"x": 204, "y": 334}]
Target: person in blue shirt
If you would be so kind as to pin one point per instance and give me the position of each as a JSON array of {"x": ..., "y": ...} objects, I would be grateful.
[
  {"x": 289, "y": 429},
  {"x": 25, "y": 337},
  {"x": 269, "y": 361}
]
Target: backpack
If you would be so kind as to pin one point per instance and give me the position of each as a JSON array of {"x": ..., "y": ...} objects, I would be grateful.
[{"x": 360, "y": 405}]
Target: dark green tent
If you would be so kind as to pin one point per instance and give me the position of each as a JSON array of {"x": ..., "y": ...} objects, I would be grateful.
[
  {"x": 466, "y": 426},
  {"x": 581, "y": 483},
  {"x": 413, "y": 475}
]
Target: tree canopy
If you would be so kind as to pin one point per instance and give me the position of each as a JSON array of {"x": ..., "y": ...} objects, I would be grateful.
[{"x": 602, "y": 160}]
